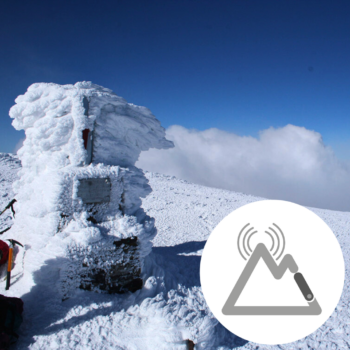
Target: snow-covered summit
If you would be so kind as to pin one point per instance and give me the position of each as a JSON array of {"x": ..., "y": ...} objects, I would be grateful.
[
  {"x": 170, "y": 308},
  {"x": 71, "y": 130},
  {"x": 54, "y": 117}
]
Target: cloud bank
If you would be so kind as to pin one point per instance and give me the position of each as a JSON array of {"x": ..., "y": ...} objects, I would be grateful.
[{"x": 289, "y": 163}]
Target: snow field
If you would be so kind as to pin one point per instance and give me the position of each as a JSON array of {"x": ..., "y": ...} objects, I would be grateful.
[{"x": 170, "y": 307}]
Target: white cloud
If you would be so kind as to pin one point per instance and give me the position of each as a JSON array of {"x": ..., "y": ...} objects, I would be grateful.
[{"x": 289, "y": 163}]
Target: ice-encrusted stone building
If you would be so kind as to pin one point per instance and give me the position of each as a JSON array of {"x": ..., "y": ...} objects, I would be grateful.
[{"x": 79, "y": 193}]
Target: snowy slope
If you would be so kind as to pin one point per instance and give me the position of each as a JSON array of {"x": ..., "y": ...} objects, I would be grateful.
[
  {"x": 186, "y": 212},
  {"x": 9, "y": 166},
  {"x": 170, "y": 308}
]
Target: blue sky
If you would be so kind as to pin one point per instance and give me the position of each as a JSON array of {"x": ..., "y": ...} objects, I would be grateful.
[{"x": 240, "y": 66}]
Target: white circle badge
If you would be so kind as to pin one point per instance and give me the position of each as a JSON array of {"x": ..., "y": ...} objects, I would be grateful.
[{"x": 272, "y": 272}]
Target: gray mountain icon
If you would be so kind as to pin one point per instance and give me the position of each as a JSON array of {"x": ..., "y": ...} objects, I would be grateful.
[{"x": 261, "y": 252}]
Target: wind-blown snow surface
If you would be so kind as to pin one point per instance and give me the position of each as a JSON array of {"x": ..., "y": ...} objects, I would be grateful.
[{"x": 170, "y": 308}]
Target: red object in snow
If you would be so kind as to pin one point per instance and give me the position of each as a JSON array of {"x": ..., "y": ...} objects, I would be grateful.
[
  {"x": 4, "y": 252},
  {"x": 85, "y": 137}
]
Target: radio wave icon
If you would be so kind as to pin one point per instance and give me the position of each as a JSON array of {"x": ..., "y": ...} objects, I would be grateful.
[{"x": 275, "y": 233}]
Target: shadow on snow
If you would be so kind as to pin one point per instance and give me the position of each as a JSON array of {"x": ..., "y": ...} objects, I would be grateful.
[{"x": 46, "y": 313}]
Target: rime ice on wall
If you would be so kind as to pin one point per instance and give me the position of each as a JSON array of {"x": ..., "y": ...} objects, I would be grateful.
[
  {"x": 54, "y": 117},
  {"x": 79, "y": 136}
]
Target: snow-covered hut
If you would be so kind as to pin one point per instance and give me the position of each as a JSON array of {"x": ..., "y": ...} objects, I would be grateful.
[{"x": 79, "y": 193}]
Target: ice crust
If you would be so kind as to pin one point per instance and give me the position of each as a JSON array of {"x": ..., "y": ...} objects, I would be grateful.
[
  {"x": 54, "y": 116},
  {"x": 54, "y": 160}
]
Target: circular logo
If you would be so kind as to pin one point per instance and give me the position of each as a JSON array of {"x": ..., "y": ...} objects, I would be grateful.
[{"x": 272, "y": 272}]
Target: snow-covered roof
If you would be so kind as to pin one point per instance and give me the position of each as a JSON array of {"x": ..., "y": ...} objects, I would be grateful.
[{"x": 54, "y": 117}]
